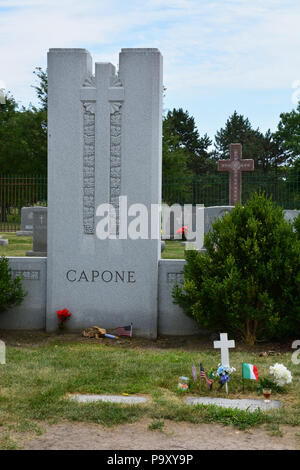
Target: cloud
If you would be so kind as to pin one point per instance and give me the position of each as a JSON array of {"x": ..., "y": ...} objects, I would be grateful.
[{"x": 224, "y": 44}]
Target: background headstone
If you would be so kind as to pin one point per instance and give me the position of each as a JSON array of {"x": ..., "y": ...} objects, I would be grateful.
[
  {"x": 26, "y": 222},
  {"x": 39, "y": 232}
]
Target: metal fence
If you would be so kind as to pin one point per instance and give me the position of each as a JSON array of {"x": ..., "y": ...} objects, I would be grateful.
[
  {"x": 17, "y": 192},
  {"x": 213, "y": 189}
]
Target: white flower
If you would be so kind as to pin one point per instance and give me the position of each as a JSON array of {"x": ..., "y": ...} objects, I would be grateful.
[{"x": 281, "y": 374}]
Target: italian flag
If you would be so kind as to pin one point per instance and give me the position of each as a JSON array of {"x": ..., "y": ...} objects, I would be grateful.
[{"x": 250, "y": 371}]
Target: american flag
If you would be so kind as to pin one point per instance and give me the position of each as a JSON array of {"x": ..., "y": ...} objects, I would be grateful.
[{"x": 125, "y": 330}]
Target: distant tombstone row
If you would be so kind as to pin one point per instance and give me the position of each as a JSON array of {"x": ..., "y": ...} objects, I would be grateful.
[
  {"x": 34, "y": 222},
  {"x": 211, "y": 214}
]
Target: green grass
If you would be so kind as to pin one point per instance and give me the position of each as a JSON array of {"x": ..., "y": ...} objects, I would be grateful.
[
  {"x": 37, "y": 379},
  {"x": 173, "y": 250},
  {"x": 17, "y": 246}
]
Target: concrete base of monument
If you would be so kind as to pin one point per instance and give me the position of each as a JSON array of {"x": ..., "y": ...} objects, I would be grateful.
[
  {"x": 40, "y": 254},
  {"x": 127, "y": 400},
  {"x": 246, "y": 404},
  {"x": 24, "y": 233}
]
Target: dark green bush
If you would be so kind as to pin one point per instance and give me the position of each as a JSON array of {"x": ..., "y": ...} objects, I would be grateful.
[
  {"x": 11, "y": 290},
  {"x": 248, "y": 281}
]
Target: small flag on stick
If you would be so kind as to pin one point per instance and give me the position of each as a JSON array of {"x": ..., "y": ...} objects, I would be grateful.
[
  {"x": 125, "y": 330},
  {"x": 250, "y": 371}
]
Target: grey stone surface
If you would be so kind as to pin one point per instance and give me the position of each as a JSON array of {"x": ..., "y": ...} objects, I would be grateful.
[
  {"x": 3, "y": 241},
  {"x": 127, "y": 400},
  {"x": 27, "y": 219},
  {"x": 290, "y": 215},
  {"x": 39, "y": 232},
  {"x": 24, "y": 233},
  {"x": 171, "y": 319},
  {"x": 31, "y": 314},
  {"x": 212, "y": 213},
  {"x": 242, "y": 404},
  {"x": 90, "y": 164}
]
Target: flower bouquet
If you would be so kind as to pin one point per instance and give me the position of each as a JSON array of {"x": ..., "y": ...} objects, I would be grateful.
[
  {"x": 280, "y": 376},
  {"x": 223, "y": 372},
  {"x": 62, "y": 316}
]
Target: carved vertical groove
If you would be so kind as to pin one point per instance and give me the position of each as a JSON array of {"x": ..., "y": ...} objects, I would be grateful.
[
  {"x": 89, "y": 167},
  {"x": 115, "y": 163}
]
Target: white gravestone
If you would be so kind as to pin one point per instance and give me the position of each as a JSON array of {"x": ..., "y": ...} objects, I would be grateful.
[
  {"x": 224, "y": 344},
  {"x": 105, "y": 133},
  {"x": 2, "y": 352}
]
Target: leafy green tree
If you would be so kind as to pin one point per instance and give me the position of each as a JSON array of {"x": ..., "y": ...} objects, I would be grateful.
[
  {"x": 181, "y": 139},
  {"x": 237, "y": 130},
  {"x": 248, "y": 281},
  {"x": 23, "y": 135},
  {"x": 266, "y": 150},
  {"x": 42, "y": 87},
  {"x": 288, "y": 133}
]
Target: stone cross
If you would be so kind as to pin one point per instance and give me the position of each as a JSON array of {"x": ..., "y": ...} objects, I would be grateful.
[
  {"x": 235, "y": 165},
  {"x": 224, "y": 345},
  {"x": 2, "y": 352}
]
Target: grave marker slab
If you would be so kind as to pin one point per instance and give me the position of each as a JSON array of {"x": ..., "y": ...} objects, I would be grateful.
[
  {"x": 242, "y": 404},
  {"x": 26, "y": 222},
  {"x": 39, "y": 232},
  {"x": 127, "y": 400}
]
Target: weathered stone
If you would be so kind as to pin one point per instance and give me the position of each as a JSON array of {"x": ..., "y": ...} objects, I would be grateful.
[
  {"x": 235, "y": 165},
  {"x": 93, "y": 164},
  {"x": 39, "y": 232},
  {"x": 240, "y": 404},
  {"x": 127, "y": 400}
]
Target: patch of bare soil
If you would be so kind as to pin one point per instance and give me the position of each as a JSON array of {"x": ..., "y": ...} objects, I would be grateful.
[
  {"x": 175, "y": 436},
  {"x": 19, "y": 338}
]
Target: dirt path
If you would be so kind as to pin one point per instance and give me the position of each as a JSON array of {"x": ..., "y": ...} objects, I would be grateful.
[{"x": 175, "y": 436}]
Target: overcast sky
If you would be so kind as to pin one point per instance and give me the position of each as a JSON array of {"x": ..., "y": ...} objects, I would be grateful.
[{"x": 218, "y": 55}]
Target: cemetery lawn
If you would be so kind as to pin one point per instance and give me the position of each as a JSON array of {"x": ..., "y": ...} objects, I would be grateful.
[
  {"x": 173, "y": 250},
  {"x": 17, "y": 246},
  {"x": 42, "y": 370}
]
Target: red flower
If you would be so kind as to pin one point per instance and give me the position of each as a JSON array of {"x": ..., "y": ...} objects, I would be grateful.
[
  {"x": 63, "y": 314},
  {"x": 182, "y": 230}
]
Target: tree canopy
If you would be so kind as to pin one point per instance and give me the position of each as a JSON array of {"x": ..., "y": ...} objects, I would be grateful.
[
  {"x": 23, "y": 134},
  {"x": 266, "y": 150}
]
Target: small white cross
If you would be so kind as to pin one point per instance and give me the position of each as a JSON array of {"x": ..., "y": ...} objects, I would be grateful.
[
  {"x": 2, "y": 352},
  {"x": 224, "y": 345}
]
